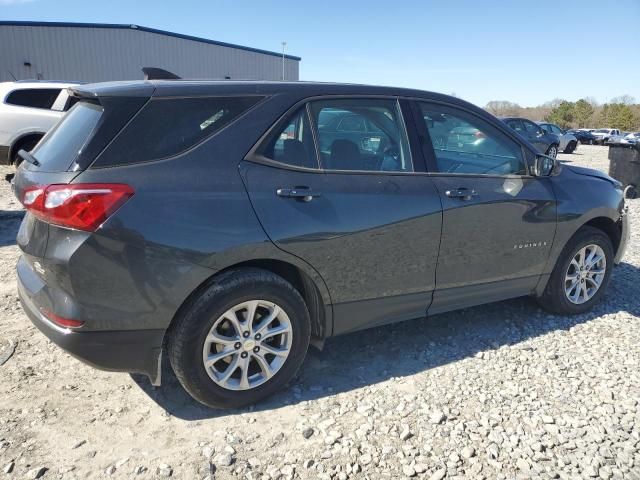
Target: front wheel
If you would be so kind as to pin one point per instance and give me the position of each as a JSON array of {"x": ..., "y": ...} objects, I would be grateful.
[
  {"x": 581, "y": 275},
  {"x": 241, "y": 340},
  {"x": 552, "y": 151}
]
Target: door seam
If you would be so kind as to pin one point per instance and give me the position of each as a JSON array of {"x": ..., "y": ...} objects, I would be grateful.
[{"x": 255, "y": 213}]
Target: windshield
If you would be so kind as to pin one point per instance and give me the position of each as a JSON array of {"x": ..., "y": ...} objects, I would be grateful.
[
  {"x": 601, "y": 130},
  {"x": 60, "y": 146}
]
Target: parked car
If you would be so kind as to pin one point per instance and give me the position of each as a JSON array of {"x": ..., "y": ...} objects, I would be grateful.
[
  {"x": 547, "y": 143},
  {"x": 584, "y": 136},
  {"x": 633, "y": 137},
  {"x": 210, "y": 223},
  {"x": 626, "y": 138},
  {"x": 568, "y": 141},
  {"x": 27, "y": 110},
  {"x": 603, "y": 134}
]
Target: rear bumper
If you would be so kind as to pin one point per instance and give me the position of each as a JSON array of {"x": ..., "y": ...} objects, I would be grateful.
[{"x": 135, "y": 351}]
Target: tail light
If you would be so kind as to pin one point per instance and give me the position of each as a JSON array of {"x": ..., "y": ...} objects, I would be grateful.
[
  {"x": 61, "y": 321},
  {"x": 83, "y": 206}
]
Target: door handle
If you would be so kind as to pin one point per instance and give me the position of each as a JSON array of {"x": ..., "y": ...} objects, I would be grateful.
[
  {"x": 303, "y": 194},
  {"x": 461, "y": 193}
]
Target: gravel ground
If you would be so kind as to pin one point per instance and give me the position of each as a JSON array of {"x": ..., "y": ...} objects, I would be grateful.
[{"x": 498, "y": 391}]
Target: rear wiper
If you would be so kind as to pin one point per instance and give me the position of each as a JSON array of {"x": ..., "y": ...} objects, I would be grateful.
[{"x": 27, "y": 157}]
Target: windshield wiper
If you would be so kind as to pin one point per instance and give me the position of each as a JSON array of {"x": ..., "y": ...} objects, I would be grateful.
[{"x": 27, "y": 157}]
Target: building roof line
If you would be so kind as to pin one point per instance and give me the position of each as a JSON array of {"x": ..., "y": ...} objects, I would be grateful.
[{"x": 144, "y": 29}]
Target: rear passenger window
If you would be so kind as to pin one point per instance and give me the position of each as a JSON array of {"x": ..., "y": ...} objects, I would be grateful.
[
  {"x": 33, "y": 97},
  {"x": 168, "y": 126},
  {"x": 361, "y": 135},
  {"x": 292, "y": 143}
]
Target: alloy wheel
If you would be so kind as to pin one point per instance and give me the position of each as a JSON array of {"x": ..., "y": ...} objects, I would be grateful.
[
  {"x": 585, "y": 274},
  {"x": 553, "y": 151},
  {"x": 247, "y": 345}
]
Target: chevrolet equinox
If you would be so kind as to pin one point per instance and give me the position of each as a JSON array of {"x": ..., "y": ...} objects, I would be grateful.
[{"x": 227, "y": 226}]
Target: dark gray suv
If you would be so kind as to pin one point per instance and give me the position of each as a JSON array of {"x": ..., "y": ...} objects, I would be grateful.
[{"x": 227, "y": 226}]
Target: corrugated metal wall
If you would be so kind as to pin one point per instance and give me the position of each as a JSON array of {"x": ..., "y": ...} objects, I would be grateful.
[{"x": 90, "y": 54}]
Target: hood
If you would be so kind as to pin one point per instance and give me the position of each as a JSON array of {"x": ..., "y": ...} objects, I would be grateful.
[{"x": 589, "y": 172}]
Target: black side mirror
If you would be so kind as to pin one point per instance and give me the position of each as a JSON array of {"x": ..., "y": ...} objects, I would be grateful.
[{"x": 544, "y": 166}]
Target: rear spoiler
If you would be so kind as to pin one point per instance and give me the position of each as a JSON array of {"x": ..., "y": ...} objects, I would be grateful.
[
  {"x": 97, "y": 91},
  {"x": 126, "y": 88}
]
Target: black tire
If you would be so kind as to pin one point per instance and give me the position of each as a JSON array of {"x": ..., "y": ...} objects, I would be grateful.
[
  {"x": 554, "y": 298},
  {"x": 187, "y": 334},
  {"x": 27, "y": 146},
  {"x": 570, "y": 147}
]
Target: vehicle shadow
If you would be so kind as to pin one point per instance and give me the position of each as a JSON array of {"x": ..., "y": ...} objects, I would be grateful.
[{"x": 372, "y": 356}]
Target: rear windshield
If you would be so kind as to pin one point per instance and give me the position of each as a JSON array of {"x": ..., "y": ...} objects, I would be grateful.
[
  {"x": 60, "y": 146},
  {"x": 169, "y": 126}
]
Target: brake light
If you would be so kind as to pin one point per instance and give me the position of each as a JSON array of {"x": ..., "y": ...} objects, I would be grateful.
[
  {"x": 61, "y": 321},
  {"x": 83, "y": 206}
]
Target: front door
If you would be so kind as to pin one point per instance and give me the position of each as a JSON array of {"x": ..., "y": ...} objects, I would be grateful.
[
  {"x": 498, "y": 221},
  {"x": 358, "y": 215},
  {"x": 536, "y": 135}
]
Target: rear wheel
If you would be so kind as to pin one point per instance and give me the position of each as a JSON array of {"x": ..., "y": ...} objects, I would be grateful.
[
  {"x": 581, "y": 275},
  {"x": 552, "y": 151},
  {"x": 241, "y": 340},
  {"x": 570, "y": 147}
]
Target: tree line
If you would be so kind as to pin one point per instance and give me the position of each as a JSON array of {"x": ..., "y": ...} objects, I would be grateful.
[{"x": 621, "y": 112}]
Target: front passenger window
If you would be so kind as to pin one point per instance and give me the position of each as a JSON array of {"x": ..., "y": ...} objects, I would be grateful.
[
  {"x": 532, "y": 127},
  {"x": 466, "y": 144}
]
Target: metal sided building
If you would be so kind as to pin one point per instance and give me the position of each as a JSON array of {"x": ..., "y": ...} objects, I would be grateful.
[{"x": 96, "y": 52}]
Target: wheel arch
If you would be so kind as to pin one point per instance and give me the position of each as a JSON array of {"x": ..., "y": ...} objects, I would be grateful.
[
  {"x": 600, "y": 221},
  {"x": 21, "y": 140},
  {"x": 609, "y": 227},
  {"x": 312, "y": 290}
]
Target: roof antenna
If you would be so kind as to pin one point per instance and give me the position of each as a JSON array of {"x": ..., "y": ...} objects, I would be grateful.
[{"x": 153, "y": 73}]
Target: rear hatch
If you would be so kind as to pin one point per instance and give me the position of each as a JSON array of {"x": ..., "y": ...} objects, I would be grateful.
[{"x": 71, "y": 147}]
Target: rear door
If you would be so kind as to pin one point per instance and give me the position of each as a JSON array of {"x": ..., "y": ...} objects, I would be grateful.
[
  {"x": 498, "y": 221},
  {"x": 353, "y": 210}
]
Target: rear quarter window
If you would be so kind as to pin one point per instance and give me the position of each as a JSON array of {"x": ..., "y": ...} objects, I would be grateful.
[
  {"x": 166, "y": 127},
  {"x": 33, "y": 97}
]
